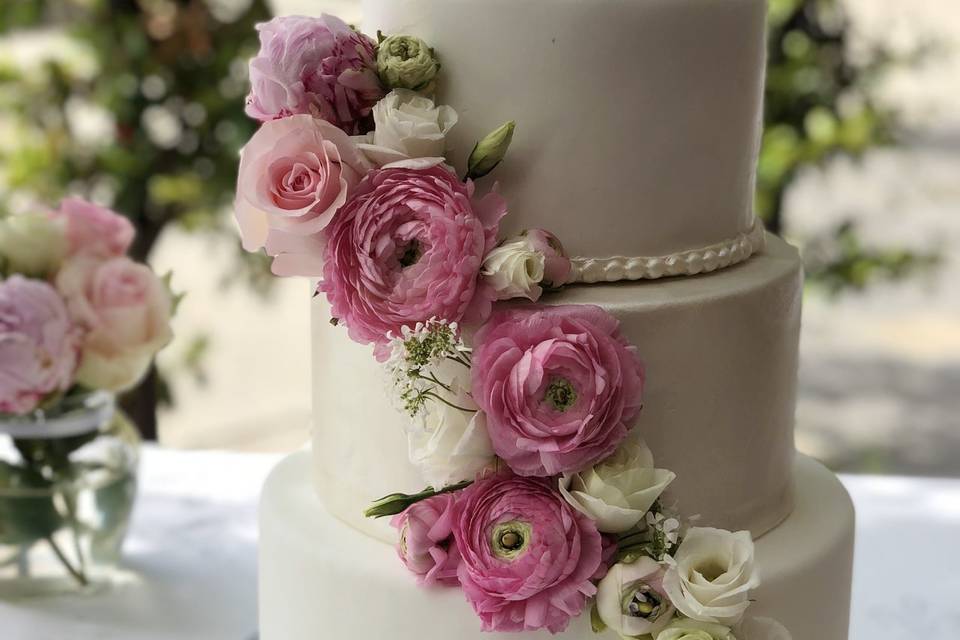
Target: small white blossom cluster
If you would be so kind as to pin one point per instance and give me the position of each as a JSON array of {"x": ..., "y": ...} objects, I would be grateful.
[{"x": 415, "y": 358}]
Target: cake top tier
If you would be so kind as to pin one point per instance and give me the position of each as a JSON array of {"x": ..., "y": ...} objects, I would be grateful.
[{"x": 638, "y": 122}]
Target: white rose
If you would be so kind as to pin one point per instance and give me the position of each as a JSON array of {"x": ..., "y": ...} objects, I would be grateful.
[
  {"x": 685, "y": 629},
  {"x": 32, "y": 244},
  {"x": 515, "y": 270},
  {"x": 449, "y": 445},
  {"x": 762, "y": 629},
  {"x": 712, "y": 574},
  {"x": 407, "y": 126},
  {"x": 619, "y": 491},
  {"x": 631, "y": 601}
]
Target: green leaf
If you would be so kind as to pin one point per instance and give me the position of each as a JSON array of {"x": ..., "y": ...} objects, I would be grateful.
[{"x": 596, "y": 623}]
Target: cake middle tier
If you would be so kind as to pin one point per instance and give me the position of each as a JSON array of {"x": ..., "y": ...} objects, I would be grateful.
[{"x": 721, "y": 359}]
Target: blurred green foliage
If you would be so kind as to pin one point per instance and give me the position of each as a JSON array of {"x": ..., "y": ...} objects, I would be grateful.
[
  {"x": 819, "y": 104},
  {"x": 137, "y": 104}
]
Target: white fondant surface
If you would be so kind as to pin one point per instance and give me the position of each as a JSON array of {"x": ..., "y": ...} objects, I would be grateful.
[
  {"x": 721, "y": 357},
  {"x": 319, "y": 579},
  {"x": 638, "y": 122}
]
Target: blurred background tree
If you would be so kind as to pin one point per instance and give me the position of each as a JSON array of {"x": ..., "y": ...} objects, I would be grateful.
[
  {"x": 141, "y": 110},
  {"x": 821, "y": 103}
]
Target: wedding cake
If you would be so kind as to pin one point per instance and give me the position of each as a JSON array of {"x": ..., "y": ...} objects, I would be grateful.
[{"x": 562, "y": 355}]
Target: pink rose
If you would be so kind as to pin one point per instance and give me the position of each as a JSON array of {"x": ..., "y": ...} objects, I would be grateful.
[
  {"x": 295, "y": 174},
  {"x": 559, "y": 385},
  {"x": 94, "y": 230},
  {"x": 556, "y": 267},
  {"x": 408, "y": 247},
  {"x": 426, "y": 544},
  {"x": 126, "y": 311},
  {"x": 528, "y": 557},
  {"x": 38, "y": 344},
  {"x": 317, "y": 66}
]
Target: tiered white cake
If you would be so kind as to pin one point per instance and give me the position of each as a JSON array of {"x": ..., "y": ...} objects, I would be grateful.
[{"x": 638, "y": 127}]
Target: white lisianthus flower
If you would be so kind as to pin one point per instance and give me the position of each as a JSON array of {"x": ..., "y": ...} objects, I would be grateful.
[
  {"x": 711, "y": 575},
  {"x": 515, "y": 270},
  {"x": 408, "y": 126},
  {"x": 631, "y": 600},
  {"x": 619, "y": 491},
  {"x": 32, "y": 244},
  {"x": 762, "y": 629},
  {"x": 448, "y": 443},
  {"x": 686, "y": 629}
]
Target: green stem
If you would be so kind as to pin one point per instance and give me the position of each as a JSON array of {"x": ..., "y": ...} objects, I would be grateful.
[
  {"x": 74, "y": 524},
  {"x": 435, "y": 396},
  {"x": 78, "y": 575}
]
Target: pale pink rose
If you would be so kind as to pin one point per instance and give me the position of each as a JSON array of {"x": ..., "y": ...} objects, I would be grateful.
[
  {"x": 408, "y": 247},
  {"x": 317, "y": 66},
  {"x": 94, "y": 230},
  {"x": 556, "y": 267},
  {"x": 125, "y": 310},
  {"x": 426, "y": 546},
  {"x": 559, "y": 385},
  {"x": 38, "y": 344},
  {"x": 295, "y": 174},
  {"x": 528, "y": 559}
]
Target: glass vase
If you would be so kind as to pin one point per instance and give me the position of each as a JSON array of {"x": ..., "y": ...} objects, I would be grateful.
[{"x": 68, "y": 481}]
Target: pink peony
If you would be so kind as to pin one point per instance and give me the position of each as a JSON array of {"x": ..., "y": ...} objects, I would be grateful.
[
  {"x": 427, "y": 546},
  {"x": 295, "y": 174},
  {"x": 559, "y": 385},
  {"x": 38, "y": 344},
  {"x": 94, "y": 230},
  {"x": 408, "y": 247},
  {"x": 318, "y": 66},
  {"x": 528, "y": 557},
  {"x": 126, "y": 311},
  {"x": 556, "y": 264}
]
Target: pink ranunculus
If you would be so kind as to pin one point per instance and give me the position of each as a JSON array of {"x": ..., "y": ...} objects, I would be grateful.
[
  {"x": 559, "y": 385},
  {"x": 93, "y": 230},
  {"x": 38, "y": 344},
  {"x": 426, "y": 546},
  {"x": 556, "y": 266},
  {"x": 295, "y": 174},
  {"x": 125, "y": 310},
  {"x": 408, "y": 247},
  {"x": 528, "y": 558},
  {"x": 317, "y": 66}
]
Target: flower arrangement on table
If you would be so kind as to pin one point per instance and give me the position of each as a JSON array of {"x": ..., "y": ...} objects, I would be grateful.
[
  {"x": 543, "y": 501},
  {"x": 79, "y": 321}
]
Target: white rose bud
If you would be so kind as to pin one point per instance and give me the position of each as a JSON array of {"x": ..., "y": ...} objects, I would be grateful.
[
  {"x": 618, "y": 492},
  {"x": 408, "y": 126},
  {"x": 515, "y": 270},
  {"x": 32, "y": 244},
  {"x": 711, "y": 575},
  {"x": 631, "y": 600},
  {"x": 447, "y": 444},
  {"x": 684, "y": 629}
]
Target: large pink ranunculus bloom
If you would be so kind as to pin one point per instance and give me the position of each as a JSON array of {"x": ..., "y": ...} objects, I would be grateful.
[
  {"x": 408, "y": 247},
  {"x": 317, "y": 66},
  {"x": 426, "y": 546},
  {"x": 528, "y": 558},
  {"x": 93, "y": 230},
  {"x": 295, "y": 174},
  {"x": 125, "y": 310},
  {"x": 38, "y": 344},
  {"x": 559, "y": 385}
]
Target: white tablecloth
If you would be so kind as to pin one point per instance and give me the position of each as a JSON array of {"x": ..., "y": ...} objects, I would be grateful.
[{"x": 192, "y": 556}]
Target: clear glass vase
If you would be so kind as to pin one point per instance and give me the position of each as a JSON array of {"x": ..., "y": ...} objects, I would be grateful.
[{"x": 68, "y": 480}]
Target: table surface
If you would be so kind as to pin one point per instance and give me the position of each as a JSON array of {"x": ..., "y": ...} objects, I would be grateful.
[{"x": 192, "y": 559}]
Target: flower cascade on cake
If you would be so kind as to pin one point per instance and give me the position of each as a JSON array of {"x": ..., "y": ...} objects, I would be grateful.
[{"x": 542, "y": 501}]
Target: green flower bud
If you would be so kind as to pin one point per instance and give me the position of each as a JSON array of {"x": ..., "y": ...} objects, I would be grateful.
[
  {"x": 32, "y": 244},
  {"x": 406, "y": 62},
  {"x": 489, "y": 152},
  {"x": 396, "y": 503}
]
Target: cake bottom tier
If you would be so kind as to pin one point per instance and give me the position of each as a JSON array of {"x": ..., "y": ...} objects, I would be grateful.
[{"x": 321, "y": 579}]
